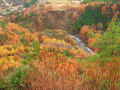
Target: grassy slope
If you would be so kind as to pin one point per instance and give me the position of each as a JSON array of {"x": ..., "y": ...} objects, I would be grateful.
[{"x": 58, "y": 68}]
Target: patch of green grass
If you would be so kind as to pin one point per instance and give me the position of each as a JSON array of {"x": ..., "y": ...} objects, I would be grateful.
[
  {"x": 35, "y": 51},
  {"x": 25, "y": 62},
  {"x": 17, "y": 77},
  {"x": 24, "y": 41},
  {"x": 30, "y": 3},
  {"x": 2, "y": 86},
  {"x": 3, "y": 24}
]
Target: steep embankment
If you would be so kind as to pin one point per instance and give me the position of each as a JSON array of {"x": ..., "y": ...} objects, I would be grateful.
[
  {"x": 79, "y": 19},
  {"x": 22, "y": 50}
]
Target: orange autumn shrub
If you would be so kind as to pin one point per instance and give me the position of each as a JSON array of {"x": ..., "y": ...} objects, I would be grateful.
[
  {"x": 82, "y": 53},
  {"x": 13, "y": 17},
  {"x": 89, "y": 35},
  {"x": 15, "y": 32},
  {"x": 10, "y": 56},
  {"x": 84, "y": 32},
  {"x": 116, "y": 8},
  {"x": 12, "y": 48},
  {"x": 104, "y": 76},
  {"x": 100, "y": 26},
  {"x": 107, "y": 11},
  {"x": 81, "y": 8},
  {"x": 54, "y": 71},
  {"x": 43, "y": 78},
  {"x": 75, "y": 15},
  {"x": 90, "y": 42}
]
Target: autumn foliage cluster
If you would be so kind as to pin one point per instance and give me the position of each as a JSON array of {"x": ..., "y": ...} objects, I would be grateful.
[{"x": 36, "y": 53}]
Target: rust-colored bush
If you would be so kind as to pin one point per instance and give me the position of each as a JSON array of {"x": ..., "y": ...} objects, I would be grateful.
[
  {"x": 116, "y": 8},
  {"x": 84, "y": 32},
  {"x": 104, "y": 76},
  {"x": 100, "y": 26},
  {"x": 107, "y": 11},
  {"x": 54, "y": 72}
]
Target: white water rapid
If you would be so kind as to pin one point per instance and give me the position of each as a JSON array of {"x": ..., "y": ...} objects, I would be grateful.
[{"x": 82, "y": 44}]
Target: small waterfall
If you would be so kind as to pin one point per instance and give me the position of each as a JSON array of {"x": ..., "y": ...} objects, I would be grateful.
[{"x": 82, "y": 44}]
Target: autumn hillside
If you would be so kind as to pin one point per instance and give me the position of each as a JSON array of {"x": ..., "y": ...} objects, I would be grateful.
[{"x": 61, "y": 46}]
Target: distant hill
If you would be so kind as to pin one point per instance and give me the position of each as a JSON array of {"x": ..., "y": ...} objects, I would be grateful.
[
  {"x": 8, "y": 6},
  {"x": 16, "y": 2}
]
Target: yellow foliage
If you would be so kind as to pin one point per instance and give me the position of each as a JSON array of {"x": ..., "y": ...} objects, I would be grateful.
[
  {"x": 8, "y": 62},
  {"x": 58, "y": 44}
]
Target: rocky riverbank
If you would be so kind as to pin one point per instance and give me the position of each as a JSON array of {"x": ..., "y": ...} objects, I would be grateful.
[{"x": 10, "y": 6}]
